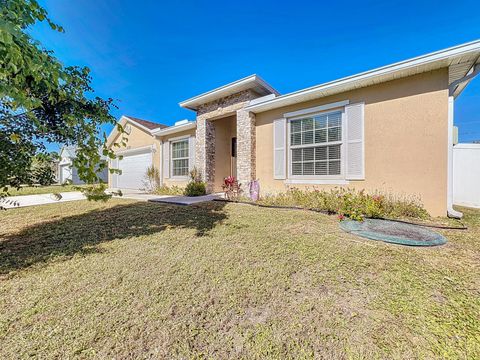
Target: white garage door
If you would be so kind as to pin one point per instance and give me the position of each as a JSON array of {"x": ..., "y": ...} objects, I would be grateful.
[
  {"x": 65, "y": 173},
  {"x": 133, "y": 169}
]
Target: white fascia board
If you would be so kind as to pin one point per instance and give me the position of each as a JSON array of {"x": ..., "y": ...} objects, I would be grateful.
[
  {"x": 226, "y": 90},
  {"x": 467, "y": 146},
  {"x": 175, "y": 129},
  {"x": 262, "y": 99},
  {"x": 299, "y": 96}
]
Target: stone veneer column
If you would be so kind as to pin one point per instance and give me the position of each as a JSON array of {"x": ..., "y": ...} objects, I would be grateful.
[
  {"x": 205, "y": 150},
  {"x": 245, "y": 147}
]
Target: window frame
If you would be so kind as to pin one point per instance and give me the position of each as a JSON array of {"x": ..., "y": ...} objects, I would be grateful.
[
  {"x": 174, "y": 141},
  {"x": 340, "y": 176}
]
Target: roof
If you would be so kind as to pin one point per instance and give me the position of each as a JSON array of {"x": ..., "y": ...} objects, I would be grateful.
[
  {"x": 69, "y": 150},
  {"x": 179, "y": 126},
  {"x": 252, "y": 82},
  {"x": 150, "y": 125},
  {"x": 459, "y": 59},
  {"x": 146, "y": 125}
]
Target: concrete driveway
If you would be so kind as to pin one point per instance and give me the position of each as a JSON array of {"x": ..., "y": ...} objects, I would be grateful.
[
  {"x": 39, "y": 199},
  {"x": 12, "y": 202}
]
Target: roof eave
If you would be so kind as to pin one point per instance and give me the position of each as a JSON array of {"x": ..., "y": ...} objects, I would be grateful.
[
  {"x": 315, "y": 91},
  {"x": 138, "y": 124},
  {"x": 226, "y": 90},
  {"x": 174, "y": 129}
]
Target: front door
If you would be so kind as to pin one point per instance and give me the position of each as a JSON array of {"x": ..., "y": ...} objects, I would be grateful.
[{"x": 233, "y": 158}]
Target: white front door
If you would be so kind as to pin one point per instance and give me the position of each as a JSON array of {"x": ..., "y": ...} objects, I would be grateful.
[{"x": 134, "y": 168}]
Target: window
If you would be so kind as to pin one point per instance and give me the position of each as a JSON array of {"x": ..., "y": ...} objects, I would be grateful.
[
  {"x": 180, "y": 158},
  {"x": 316, "y": 145}
]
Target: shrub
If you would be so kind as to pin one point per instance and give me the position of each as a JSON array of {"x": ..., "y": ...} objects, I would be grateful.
[
  {"x": 168, "y": 190},
  {"x": 42, "y": 170},
  {"x": 350, "y": 203},
  {"x": 152, "y": 179},
  {"x": 195, "y": 188},
  {"x": 232, "y": 188}
]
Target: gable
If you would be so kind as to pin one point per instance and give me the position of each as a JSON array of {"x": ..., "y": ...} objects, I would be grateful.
[{"x": 135, "y": 135}]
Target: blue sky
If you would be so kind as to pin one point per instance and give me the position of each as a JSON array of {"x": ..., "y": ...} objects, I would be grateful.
[{"x": 150, "y": 55}]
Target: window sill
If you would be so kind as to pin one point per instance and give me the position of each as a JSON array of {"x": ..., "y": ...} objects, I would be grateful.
[
  {"x": 177, "y": 178},
  {"x": 318, "y": 181}
]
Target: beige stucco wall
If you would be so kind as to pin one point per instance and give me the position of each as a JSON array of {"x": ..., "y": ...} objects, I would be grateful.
[
  {"x": 405, "y": 139},
  {"x": 137, "y": 138},
  {"x": 170, "y": 181},
  {"x": 225, "y": 129}
]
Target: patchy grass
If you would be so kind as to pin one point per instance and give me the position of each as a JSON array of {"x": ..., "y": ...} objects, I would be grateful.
[
  {"x": 129, "y": 279},
  {"x": 33, "y": 190}
]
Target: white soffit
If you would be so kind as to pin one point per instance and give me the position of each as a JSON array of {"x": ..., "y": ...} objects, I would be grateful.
[
  {"x": 253, "y": 82},
  {"x": 459, "y": 58}
]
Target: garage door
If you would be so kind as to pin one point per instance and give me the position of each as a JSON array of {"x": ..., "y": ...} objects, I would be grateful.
[
  {"x": 65, "y": 173},
  {"x": 133, "y": 169}
]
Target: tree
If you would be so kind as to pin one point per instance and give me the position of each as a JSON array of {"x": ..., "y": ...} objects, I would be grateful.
[
  {"x": 43, "y": 101},
  {"x": 44, "y": 168}
]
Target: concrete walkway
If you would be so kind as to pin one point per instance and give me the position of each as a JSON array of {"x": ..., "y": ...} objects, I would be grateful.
[
  {"x": 167, "y": 199},
  {"x": 39, "y": 199}
]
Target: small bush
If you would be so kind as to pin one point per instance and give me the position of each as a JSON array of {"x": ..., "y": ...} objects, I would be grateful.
[
  {"x": 232, "y": 188},
  {"x": 195, "y": 188},
  {"x": 350, "y": 203}
]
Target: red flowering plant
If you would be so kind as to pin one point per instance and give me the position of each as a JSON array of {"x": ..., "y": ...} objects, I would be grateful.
[{"x": 232, "y": 188}]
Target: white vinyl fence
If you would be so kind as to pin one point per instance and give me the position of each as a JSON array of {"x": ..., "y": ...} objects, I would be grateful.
[{"x": 466, "y": 175}]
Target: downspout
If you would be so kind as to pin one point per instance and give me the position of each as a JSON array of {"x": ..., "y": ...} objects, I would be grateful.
[
  {"x": 451, "y": 212},
  {"x": 160, "y": 151}
]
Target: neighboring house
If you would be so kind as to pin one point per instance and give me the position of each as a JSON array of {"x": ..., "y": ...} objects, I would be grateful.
[
  {"x": 388, "y": 129},
  {"x": 67, "y": 172}
]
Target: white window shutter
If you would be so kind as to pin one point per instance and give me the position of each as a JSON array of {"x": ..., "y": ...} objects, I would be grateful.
[
  {"x": 191, "y": 152},
  {"x": 355, "y": 142},
  {"x": 166, "y": 159},
  {"x": 280, "y": 148}
]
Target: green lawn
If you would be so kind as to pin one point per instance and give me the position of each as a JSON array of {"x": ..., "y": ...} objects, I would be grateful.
[
  {"x": 128, "y": 279},
  {"x": 32, "y": 190}
]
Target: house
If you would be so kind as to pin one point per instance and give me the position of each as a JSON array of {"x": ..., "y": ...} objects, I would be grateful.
[
  {"x": 387, "y": 129},
  {"x": 67, "y": 172},
  {"x": 140, "y": 152}
]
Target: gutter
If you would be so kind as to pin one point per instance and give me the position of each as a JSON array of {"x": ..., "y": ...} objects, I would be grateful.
[{"x": 318, "y": 91}]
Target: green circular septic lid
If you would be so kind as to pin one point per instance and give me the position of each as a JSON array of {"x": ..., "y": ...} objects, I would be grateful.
[{"x": 393, "y": 232}]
